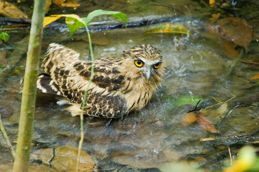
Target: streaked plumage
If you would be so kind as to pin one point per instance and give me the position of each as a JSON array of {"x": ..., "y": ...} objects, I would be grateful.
[{"x": 120, "y": 84}]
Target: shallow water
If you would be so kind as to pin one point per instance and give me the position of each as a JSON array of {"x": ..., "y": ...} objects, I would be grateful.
[{"x": 197, "y": 68}]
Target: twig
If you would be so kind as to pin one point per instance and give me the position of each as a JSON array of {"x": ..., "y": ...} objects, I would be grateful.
[
  {"x": 225, "y": 116},
  {"x": 231, "y": 140},
  {"x": 52, "y": 157},
  {"x": 2, "y": 129},
  {"x": 220, "y": 103},
  {"x": 230, "y": 156}
]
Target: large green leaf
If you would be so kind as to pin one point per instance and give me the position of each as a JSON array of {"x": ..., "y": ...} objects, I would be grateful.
[
  {"x": 117, "y": 15},
  {"x": 74, "y": 23}
]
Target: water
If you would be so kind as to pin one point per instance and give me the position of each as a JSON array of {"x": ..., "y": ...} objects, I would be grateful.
[{"x": 197, "y": 68}]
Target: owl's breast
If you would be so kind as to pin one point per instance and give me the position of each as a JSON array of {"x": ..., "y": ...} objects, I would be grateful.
[{"x": 139, "y": 95}]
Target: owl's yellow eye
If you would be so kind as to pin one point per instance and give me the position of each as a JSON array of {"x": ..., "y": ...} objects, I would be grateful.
[
  {"x": 139, "y": 63},
  {"x": 157, "y": 65}
]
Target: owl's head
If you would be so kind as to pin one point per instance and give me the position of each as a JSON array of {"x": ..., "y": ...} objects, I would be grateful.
[{"x": 147, "y": 60}]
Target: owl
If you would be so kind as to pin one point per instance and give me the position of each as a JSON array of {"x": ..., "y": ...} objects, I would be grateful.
[{"x": 118, "y": 86}]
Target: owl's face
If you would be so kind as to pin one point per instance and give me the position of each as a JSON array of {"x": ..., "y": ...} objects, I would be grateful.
[{"x": 146, "y": 61}]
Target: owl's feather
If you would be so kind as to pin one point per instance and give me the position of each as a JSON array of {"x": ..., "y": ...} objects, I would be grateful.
[{"x": 115, "y": 89}]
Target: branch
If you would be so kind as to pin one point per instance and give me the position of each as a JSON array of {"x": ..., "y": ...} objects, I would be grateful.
[
  {"x": 95, "y": 26},
  {"x": 29, "y": 90}
]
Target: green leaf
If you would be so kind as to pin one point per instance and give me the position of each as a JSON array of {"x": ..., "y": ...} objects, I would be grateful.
[
  {"x": 255, "y": 166},
  {"x": 117, "y": 15},
  {"x": 4, "y": 36},
  {"x": 74, "y": 24},
  {"x": 247, "y": 155},
  {"x": 183, "y": 100}
]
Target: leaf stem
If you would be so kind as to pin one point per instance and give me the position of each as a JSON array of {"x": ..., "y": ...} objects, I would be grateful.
[{"x": 84, "y": 103}]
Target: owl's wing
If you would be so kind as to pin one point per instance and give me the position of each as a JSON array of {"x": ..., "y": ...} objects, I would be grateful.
[
  {"x": 70, "y": 77},
  {"x": 106, "y": 73}
]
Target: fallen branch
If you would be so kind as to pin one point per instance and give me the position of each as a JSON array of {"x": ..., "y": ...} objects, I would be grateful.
[
  {"x": 11, "y": 21},
  {"x": 231, "y": 140},
  {"x": 95, "y": 26}
]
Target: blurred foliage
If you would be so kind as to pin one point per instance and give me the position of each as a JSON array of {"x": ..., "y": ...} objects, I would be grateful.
[
  {"x": 4, "y": 36},
  {"x": 246, "y": 161}
]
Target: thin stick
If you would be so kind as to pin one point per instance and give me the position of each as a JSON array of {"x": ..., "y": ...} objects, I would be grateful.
[
  {"x": 230, "y": 156},
  {"x": 81, "y": 141},
  {"x": 7, "y": 140}
]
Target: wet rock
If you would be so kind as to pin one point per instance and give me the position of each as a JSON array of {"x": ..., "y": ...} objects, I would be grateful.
[{"x": 64, "y": 158}]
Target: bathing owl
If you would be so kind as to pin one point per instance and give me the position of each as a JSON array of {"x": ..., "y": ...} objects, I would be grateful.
[{"x": 118, "y": 85}]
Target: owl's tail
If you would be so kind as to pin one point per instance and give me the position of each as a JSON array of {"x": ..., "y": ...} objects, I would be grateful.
[
  {"x": 46, "y": 85},
  {"x": 57, "y": 64}
]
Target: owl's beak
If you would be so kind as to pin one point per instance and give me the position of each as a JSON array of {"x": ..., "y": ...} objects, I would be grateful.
[{"x": 148, "y": 72}]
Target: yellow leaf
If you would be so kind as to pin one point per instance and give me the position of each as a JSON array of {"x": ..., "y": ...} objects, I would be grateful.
[
  {"x": 189, "y": 118},
  {"x": 68, "y": 3},
  {"x": 71, "y": 5},
  {"x": 206, "y": 124},
  {"x": 255, "y": 77},
  {"x": 50, "y": 19},
  {"x": 10, "y": 10},
  {"x": 169, "y": 28},
  {"x": 58, "y": 2},
  {"x": 212, "y": 3}
]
